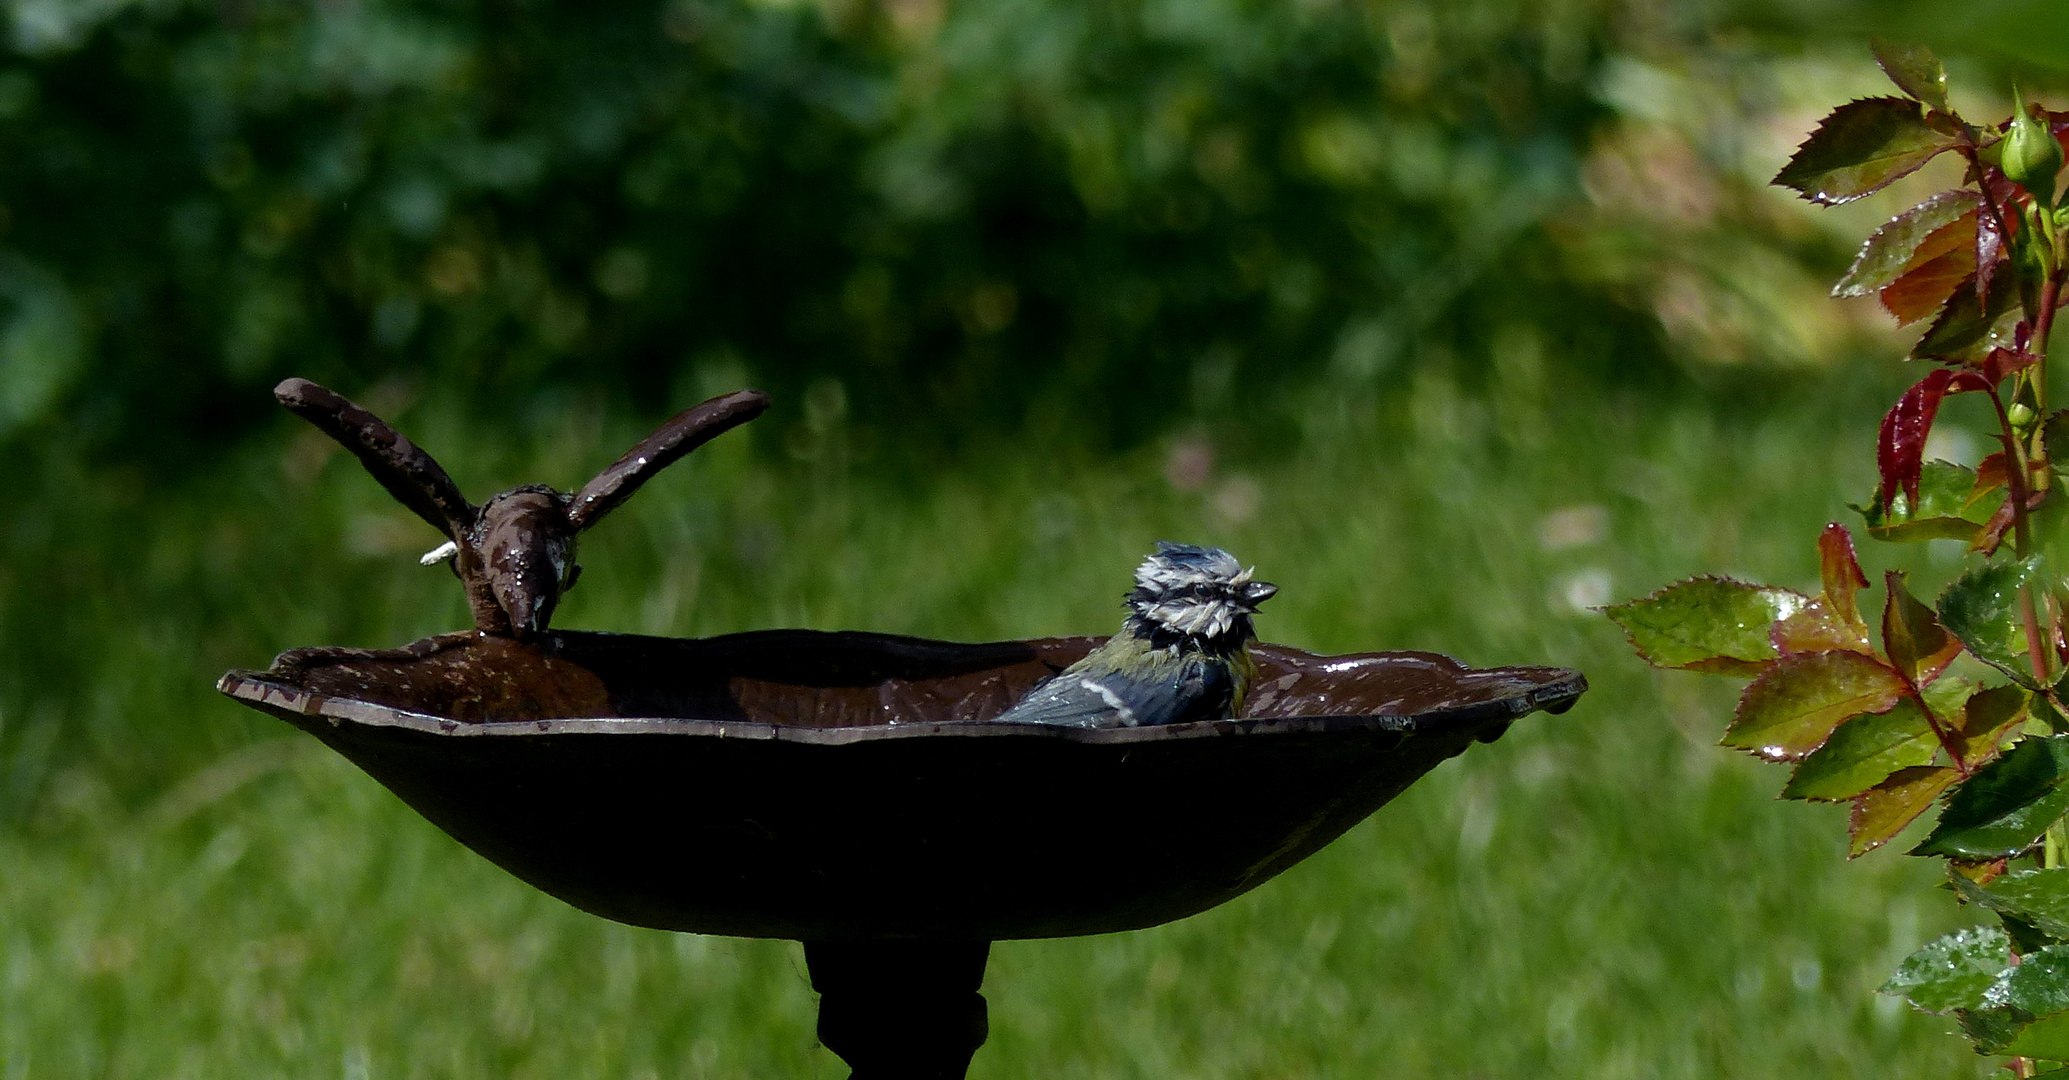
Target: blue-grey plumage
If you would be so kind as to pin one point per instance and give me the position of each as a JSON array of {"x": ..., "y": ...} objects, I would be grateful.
[{"x": 1182, "y": 654}]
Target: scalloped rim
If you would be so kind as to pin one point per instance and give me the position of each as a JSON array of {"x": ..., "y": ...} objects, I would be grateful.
[{"x": 257, "y": 689}]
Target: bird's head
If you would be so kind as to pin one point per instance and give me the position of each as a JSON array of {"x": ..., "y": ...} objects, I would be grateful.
[{"x": 1198, "y": 593}]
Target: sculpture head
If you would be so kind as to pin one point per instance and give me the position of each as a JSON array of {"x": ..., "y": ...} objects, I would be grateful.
[{"x": 516, "y": 552}]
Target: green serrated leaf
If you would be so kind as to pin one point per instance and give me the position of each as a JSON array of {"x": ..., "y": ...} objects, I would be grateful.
[
  {"x": 2038, "y": 897},
  {"x": 2003, "y": 809},
  {"x": 1887, "y": 254},
  {"x": 2054, "y": 434},
  {"x": 1949, "y": 698},
  {"x": 1915, "y": 70},
  {"x": 1991, "y": 1029},
  {"x": 1860, "y": 148},
  {"x": 1953, "y": 971},
  {"x": 1707, "y": 624},
  {"x": 2038, "y": 986},
  {"x": 2025, "y": 936},
  {"x": 1863, "y": 752},
  {"x": 1982, "y": 608},
  {"x": 2046, "y": 1038},
  {"x": 1793, "y": 706},
  {"x": 1943, "y": 511}
]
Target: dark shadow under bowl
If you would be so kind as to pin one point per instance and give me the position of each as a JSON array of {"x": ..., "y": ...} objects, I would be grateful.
[{"x": 844, "y": 786}]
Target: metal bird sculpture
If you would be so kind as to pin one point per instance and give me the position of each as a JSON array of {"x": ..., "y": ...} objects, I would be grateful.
[
  {"x": 515, "y": 553},
  {"x": 1182, "y": 654}
]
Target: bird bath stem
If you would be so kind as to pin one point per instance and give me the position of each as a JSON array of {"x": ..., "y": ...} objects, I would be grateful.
[{"x": 901, "y": 1010}]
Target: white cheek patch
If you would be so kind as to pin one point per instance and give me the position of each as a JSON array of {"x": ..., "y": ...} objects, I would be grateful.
[{"x": 1194, "y": 618}]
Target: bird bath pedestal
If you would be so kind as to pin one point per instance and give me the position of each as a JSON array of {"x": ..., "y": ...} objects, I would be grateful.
[{"x": 846, "y": 791}]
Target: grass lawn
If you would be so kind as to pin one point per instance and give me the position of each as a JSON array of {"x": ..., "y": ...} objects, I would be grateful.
[{"x": 188, "y": 889}]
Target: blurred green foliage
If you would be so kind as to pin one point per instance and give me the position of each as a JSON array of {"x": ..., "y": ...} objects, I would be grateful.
[
  {"x": 955, "y": 210},
  {"x": 1105, "y": 213},
  {"x": 1116, "y": 211}
]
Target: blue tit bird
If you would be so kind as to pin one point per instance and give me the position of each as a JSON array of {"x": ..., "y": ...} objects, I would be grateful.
[{"x": 1183, "y": 653}]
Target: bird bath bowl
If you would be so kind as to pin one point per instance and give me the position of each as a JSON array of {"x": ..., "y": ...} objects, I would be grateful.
[{"x": 844, "y": 789}]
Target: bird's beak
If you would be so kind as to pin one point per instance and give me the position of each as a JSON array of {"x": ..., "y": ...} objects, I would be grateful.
[{"x": 1257, "y": 592}]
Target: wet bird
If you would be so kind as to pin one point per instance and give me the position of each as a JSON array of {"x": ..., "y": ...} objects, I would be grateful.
[{"x": 1182, "y": 654}]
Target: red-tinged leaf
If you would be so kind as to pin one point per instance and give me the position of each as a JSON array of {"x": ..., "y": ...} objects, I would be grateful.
[
  {"x": 1900, "y": 448},
  {"x": 1863, "y": 752},
  {"x": 1832, "y": 620},
  {"x": 1936, "y": 266},
  {"x": 1861, "y": 148},
  {"x": 1979, "y": 873},
  {"x": 1840, "y": 570},
  {"x": 2002, "y": 363},
  {"x": 1881, "y": 812},
  {"x": 1991, "y": 537},
  {"x": 1990, "y": 718},
  {"x": 1989, "y": 249},
  {"x": 1968, "y": 327},
  {"x": 1792, "y": 707},
  {"x": 1993, "y": 530},
  {"x": 1895, "y": 248},
  {"x": 1918, "y": 646},
  {"x": 1915, "y": 70},
  {"x": 1925, "y": 289},
  {"x": 2002, "y": 191},
  {"x": 1708, "y": 624},
  {"x": 1991, "y": 473},
  {"x": 1956, "y": 237},
  {"x": 1868, "y": 751},
  {"x": 1818, "y": 628}
]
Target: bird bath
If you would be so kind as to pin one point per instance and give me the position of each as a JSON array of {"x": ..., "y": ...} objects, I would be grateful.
[
  {"x": 843, "y": 789},
  {"x": 846, "y": 790}
]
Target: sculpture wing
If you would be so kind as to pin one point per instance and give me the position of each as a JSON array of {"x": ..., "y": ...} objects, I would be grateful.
[
  {"x": 690, "y": 429},
  {"x": 411, "y": 475}
]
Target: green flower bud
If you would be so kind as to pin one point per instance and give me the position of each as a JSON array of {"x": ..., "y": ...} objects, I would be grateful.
[
  {"x": 2032, "y": 157},
  {"x": 2021, "y": 416}
]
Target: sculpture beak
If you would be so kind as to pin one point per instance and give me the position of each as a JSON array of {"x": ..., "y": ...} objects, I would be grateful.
[
  {"x": 527, "y": 563},
  {"x": 529, "y": 611}
]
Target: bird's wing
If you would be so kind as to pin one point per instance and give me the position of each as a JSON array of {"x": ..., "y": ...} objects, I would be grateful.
[
  {"x": 1200, "y": 691},
  {"x": 1075, "y": 699}
]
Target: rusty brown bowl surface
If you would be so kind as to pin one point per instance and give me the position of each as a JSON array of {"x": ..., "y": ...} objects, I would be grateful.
[{"x": 842, "y": 786}]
